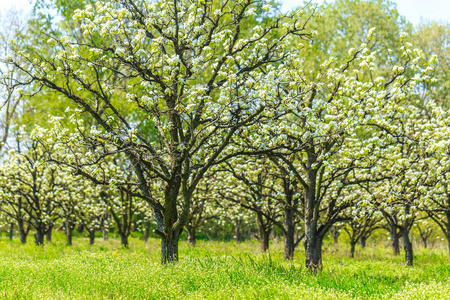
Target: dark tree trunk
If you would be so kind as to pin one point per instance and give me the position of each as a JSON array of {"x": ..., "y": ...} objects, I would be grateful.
[
  {"x": 264, "y": 235},
  {"x": 22, "y": 232},
  {"x": 11, "y": 231},
  {"x": 394, "y": 240},
  {"x": 313, "y": 253},
  {"x": 80, "y": 228},
  {"x": 275, "y": 236},
  {"x": 448, "y": 244},
  {"x": 92, "y": 237},
  {"x": 363, "y": 241},
  {"x": 289, "y": 247},
  {"x": 39, "y": 237},
  {"x": 448, "y": 236},
  {"x": 425, "y": 244},
  {"x": 407, "y": 245},
  {"x": 289, "y": 234},
  {"x": 336, "y": 233},
  {"x": 313, "y": 238},
  {"x": 352, "y": 249},
  {"x": 169, "y": 249},
  {"x": 237, "y": 231},
  {"x": 124, "y": 240},
  {"x": 48, "y": 234},
  {"x": 69, "y": 231},
  {"x": 146, "y": 232},
  {"x": 192, "y": 238}
]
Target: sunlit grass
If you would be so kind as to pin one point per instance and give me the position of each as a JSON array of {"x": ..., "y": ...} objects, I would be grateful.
[{"x": 213, "y": 270}]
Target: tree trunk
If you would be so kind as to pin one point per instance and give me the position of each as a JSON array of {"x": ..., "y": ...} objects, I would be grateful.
[
  {"x": 265, "y": 234},
  {"x": 336, "y": 233},
  {"x": 289, "y": 247},
  {"x": 169, "y": 249},
  {"x": 407, "y": 245},
  {"x": 11, "y": 231},
  {"x": 80, "y": 228},
  {"x": 192, "y": 238},
  {"x": 313, "y": 253},
  {"x": 92, "y": 237},
  {"x": 105, "y": 234},
  {"x": 352, "y": 249},
  {"x": 448, "y": 242},
  {"x": 22, "y": 232},
  {"x": 425, "y": 244},
  {"x": 69, "y": 230},
  {"x": 39, "y": 237},
  {"x": 289, "y": 234},
  {"x": 447, "y": 227},
  {"x": 275, "y": 235},
  {"x": 146, "y": 231},
  {"x": 394, "y": 240},
  {"x": 48, "y": 234},
  {"x": 124, "y": 240},
  {"x": 448, "y": 232},
  {"x": 363, "y": 241},
  {"x": 237, "y": 231}
]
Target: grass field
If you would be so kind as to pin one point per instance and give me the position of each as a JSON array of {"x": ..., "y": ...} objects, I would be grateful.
[{"x": 213, "y": 270}]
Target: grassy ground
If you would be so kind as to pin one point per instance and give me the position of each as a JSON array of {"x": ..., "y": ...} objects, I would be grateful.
[{"x": 214, "y": 270}]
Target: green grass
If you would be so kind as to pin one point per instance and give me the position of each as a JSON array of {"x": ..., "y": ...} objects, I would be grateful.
[{"x": 213, "y": 270}]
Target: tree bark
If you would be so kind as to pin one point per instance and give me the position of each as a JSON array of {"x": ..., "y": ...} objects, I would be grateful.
[
  {"x": 448, "y": 232},
  {"x": 11, "y": 231},
  {"x": 289, "y": 234},
  {"x": 69, "y": 231},
  {"x": 192, "y": 238},
  {"x": 124, "y": 240},
  {"x": 146, "y": 232},
  {"x": 39, "y": 237},
  {"x": 289, "y": 247},
  {"x": 448, "y": 243},
  {"x": 92, "y": 237},
  {"x": 169, "y": 249},
  {"x": 48, "y": 234},
  {"x": 352, "y": 249},
  {"x": 425, "y": 244},
  {"x": 105, "y": 234},
  {"x": 80, "y": 228},
  {"x": 407, "y": 245},
  {"x": 237, "y": 231},
  {"x": 394, "y": 240},
  {"x": 363, "y": 241},
  {"x": 22, "y": 232},
  {"x": 265, "y": 234},
  {"x": 336, "y": 234},
  {"x": 313, "y": 253}
]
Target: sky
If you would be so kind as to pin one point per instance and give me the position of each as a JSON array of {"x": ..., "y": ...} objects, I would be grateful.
[{"x": 413, "y": 10}]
